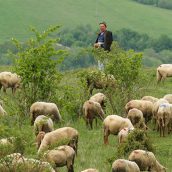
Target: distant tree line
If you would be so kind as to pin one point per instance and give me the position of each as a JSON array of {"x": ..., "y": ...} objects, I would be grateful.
[
  {"x": 159, "y": 3},
  {"x": 156, "y": 50}
]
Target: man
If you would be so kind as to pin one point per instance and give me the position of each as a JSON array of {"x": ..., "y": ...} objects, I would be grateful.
[{"x": 104, "y": 38}]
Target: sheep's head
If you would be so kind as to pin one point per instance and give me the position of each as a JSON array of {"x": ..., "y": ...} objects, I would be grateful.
[{"x": 39, "y": 138}]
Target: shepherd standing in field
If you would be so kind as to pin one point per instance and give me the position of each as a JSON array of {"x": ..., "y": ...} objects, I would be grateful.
[{"x": 104, "y": 40}]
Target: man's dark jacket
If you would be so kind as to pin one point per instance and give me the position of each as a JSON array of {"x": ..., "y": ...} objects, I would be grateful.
[{"x": 108, "y": 38}]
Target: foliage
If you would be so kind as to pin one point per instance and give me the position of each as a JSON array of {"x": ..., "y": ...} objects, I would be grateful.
[{"x": 36, "y": 63}]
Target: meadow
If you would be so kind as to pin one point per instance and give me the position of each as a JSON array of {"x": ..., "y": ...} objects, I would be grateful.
[
  {"x": 16, "y": 16},
  {"x": 91, "y": 152}
]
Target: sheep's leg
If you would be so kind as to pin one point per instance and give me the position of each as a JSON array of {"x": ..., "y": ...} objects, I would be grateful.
[
  {"x": 4, "y": 89},
  {"x": 96, "y": 121},
  {"x": 106, "y": 135},
  {"x": 91, "y": 123},
  {"x": 163, "y": 130},
  {"x": 70, "y": 167}
]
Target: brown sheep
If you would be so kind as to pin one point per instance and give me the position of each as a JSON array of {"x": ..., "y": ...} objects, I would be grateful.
[
  {"x": 125, "y": 166},
  {"x": 113, "y": 124},
  {"x": 143, "y": 105},
  {"x": 168, "y": 97},
  {"x": 155, "y": 111},
  {"x": 57, "y": 136},
  {"x": 146, "y": 161},
  {"x": 61, "y": 156},
  {"x": 164, "y": 118},
  {"x": 9, "y": 80},
  {"x": 163, "y": 71},
  {"x": 99, "y": 98},
  {"x": 123, "y": 134},
  {"x": 150, "y": 98},
  {"x": 137, "y": 119},
  {"x": 91, "y": 111},
  {"x": 44, "y": 108},
  {"x": 43, "y": 123}
]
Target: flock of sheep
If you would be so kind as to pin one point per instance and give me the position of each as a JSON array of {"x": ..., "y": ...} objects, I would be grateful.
[{"x": 42, "y": 115}]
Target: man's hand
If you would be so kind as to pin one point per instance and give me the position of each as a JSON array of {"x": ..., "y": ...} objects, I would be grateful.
[{"x": 96, "y": 45}]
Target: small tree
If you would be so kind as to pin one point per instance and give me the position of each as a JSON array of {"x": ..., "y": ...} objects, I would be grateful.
[{"x": 36, "y": 63}]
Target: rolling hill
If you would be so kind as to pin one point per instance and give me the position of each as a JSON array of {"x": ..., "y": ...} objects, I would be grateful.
[{"x": 17, "y": 15}]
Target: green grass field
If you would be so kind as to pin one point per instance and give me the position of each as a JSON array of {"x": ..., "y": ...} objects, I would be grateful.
[
  {"x": 92, "y": 152},
  {"x": 17, "y": 15}
]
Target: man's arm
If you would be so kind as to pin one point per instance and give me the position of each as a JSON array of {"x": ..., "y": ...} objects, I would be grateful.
[{"x": 108, "y": 40}]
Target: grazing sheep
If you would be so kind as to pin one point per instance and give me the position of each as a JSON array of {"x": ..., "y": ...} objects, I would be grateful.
[
  {"x": 99, "y": 80},
  {"x": 90, "y": 170},
  {"x": 2, "y": 111},
  {"x": 113, "y": 124},
  {"x": 146, "y": 161},
  {"x": 163, "y": 71},
  {"x": 164, "y": 118},
  {"x": 168, "y": 97},
  {"x": 16, "y": 161},
  {"x": 9, "y": 80},
  {"x": 124, "y": 166},
  {"x": 99, "y": 98},
  {"x": 43, "y": 123},
  {"x": 155, "y": 110},
  {"x": 44, "y": 108},
  {"x": 61, "y": 156},
  {"x": 143, "y": 105},
  {"x": 136, "y": 118},
  {"x": 150, "y": 98},
  {"x": 92, "y": 110},
  {"x": 58, "y": 136},
  {"x": 123, "y": 134}
]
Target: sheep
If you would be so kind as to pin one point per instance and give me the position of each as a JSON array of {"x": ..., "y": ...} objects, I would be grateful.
[
  {"x": 164, "y": 118},
  {"x": 68, "y": 134},
  {"x": 143, "y": 105},
  {"x": 101, "y": 81},
  {"x": 125, "y": 166},
  {"x": 155, "y": 110},
  {"x": 92, "y": 110},
  {"x": 9, "y": 80},
  {"x": 44, "y": 108},
  {"x": 2, "y": 111},
  {"x": 99, "y": 98},
  {"x": 168, "y": 97},
  {"x": 61, "y": 156},
  {"x": 16, "y": 162},
  {"x": 123, "y": 134},
  {"x": 113, "y": 124},
  {"x": 137, "y": 119},
  {"x": 146, "y": 161},
  {"x": 150, "y": 98},
  {"x": 90, "y": 170},
  {"x": 43, "y": 123},
  {"x": 7, "y": 141},
  {"x": 163, "y": 71}
]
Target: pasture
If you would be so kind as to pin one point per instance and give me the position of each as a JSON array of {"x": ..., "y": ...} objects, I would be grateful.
[{"x": 91, "y": 152}]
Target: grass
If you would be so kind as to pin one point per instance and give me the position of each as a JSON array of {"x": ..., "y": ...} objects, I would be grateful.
[
  {"x": 92, "y": 153},
  {"x": 17, "y": 15}
]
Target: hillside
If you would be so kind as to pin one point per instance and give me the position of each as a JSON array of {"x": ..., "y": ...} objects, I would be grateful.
[{"x": 17, "y": 15}]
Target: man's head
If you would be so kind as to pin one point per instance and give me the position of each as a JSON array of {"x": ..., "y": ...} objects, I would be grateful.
[{"x": 103, "y": 26}]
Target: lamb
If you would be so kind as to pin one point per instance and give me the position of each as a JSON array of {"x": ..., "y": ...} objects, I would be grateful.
[
  {"x": 150, "y": 98},
  {"x": 90, "y": 170},
  {"x": 99, "y": 98},
  {"x": 9, "y": 80},
  {"x": 43, "y": 123},
  {"x": 123, "y": 134},
  {"x": 168, "y": 97},
  {"x": 44, "y": 108},
  {"x": 61, "y": 156},
  {"x": 164, "y": 118},
  {"x": 163, "y": 71},
  {"x": 137, "y": 119},
  {"x": 155, "y": 110},
  {"x": 92, "y": 110},
  {"x": 57, "y": 136},
  {"x": 125, "y": 166},
  {"x": 146, "y": 161},
  {"x": 113, "y": 124},
  {"x": 143, "y": 105}
]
